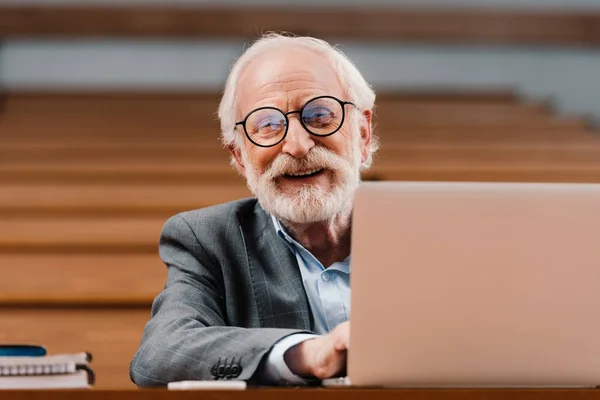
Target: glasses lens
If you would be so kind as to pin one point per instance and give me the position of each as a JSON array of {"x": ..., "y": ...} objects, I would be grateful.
[
  {"x": 266, "y": 127},
  {"x": 323, "y": 116}
]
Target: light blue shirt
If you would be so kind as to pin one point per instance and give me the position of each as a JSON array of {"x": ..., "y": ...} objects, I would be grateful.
[{"x": 328, "y": 293}]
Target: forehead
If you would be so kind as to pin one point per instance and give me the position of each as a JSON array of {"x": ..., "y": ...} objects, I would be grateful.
[{"x": 285, "y": 78}]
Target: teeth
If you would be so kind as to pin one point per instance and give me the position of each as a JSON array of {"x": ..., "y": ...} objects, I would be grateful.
[{"x": 306, "y": 172}]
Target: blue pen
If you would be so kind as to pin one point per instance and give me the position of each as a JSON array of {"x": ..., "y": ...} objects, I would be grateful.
[{"x": 21, "y": 350}]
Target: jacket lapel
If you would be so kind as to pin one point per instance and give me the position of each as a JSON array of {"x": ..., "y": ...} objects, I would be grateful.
[{"x": 276, "y": 279}]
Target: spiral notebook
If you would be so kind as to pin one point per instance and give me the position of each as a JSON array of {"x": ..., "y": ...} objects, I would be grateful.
[{"x": 58, "y": 371}]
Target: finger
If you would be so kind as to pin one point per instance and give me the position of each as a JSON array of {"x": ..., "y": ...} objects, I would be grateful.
[
  {"x": 340, "y": 345},
  {"x": 346, "y": 336},
  {"x": 332, "y": 362},
  {"x": 342, "y": 340}
]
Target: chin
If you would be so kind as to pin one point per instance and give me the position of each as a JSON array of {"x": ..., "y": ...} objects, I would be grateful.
[{"x": 309, "y": 205}]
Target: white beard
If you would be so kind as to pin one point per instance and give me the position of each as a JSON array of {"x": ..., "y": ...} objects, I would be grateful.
[{"x": 310, "y": 203}]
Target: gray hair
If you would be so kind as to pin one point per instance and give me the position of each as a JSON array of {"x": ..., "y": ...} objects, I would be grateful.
[{"x": 355, "y": 86}]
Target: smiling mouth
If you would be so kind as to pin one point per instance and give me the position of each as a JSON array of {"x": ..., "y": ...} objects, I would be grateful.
[{"x": 305, "y": 174}]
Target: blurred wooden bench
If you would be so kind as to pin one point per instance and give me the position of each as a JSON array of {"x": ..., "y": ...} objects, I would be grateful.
[
  {"x": 87, "y": 279},
  {"x": 434, "y": 25},
  {"x": 159, "y": 200}
]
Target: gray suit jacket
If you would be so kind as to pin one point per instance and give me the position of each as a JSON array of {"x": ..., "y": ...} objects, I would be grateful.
[{"x": 233, "y": 290}]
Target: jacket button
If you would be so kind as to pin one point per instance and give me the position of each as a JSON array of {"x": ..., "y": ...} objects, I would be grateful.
[
  {"x": 216, "y": 370},
  {"x": 236, "y": 370}
]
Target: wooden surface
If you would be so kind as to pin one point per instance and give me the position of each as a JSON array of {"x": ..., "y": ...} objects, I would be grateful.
[
  {"x": 312, "y": 393},
  {"x": 439, "y": 25}
]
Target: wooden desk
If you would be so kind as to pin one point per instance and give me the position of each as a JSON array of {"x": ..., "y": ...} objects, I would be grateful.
[{"x": 306, "y": 394}]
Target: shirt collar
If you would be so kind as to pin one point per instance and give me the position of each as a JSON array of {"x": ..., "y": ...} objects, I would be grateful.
[
  {"x": 292, "y": 243},
  {"x": 282, "y": 233}
]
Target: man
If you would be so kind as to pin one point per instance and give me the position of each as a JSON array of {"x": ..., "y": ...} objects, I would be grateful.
[{"x": 258, "y": 289}]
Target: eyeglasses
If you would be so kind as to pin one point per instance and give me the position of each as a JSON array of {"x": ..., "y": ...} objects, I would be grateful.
[{"x": 268, "y": 126}]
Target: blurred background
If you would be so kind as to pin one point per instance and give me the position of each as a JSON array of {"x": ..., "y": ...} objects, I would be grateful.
[{"x": 108, "y": 126}]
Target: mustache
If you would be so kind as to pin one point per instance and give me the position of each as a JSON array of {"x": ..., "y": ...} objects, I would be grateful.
[{"x": 317, "y": 158}]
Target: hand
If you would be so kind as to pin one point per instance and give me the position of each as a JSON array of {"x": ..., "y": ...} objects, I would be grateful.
[{"x": 323, "y": 357}]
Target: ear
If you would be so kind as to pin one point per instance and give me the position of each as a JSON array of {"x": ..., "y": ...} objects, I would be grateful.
[
  {"x": 238, "y": 160},
  {"x": 365, "y": 134}
]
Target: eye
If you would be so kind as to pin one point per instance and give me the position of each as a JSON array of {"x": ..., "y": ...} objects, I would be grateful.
[
  {"x": 318, "y": 116},
  {"x": 269, "y": 125}
]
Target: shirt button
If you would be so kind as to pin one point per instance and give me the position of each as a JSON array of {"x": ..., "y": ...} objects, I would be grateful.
[{"x": 325, "y": 276}]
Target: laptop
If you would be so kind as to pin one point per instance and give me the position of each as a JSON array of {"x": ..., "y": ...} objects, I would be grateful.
[{"x": 475, "y": 285}]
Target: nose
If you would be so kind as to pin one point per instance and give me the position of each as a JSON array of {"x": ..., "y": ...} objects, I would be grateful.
[{"x": 298, "y": 141}]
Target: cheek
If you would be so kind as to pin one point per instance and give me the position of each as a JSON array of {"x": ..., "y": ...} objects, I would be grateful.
[
  {"x": 348, "y": 138},
  {"x": 261, "y": 158},
  {"x": 345, "y": 149},
  {"x": 338, "y": 143}
]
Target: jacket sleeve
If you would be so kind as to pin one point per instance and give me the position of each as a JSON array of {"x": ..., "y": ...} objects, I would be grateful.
[{"x": 187, "y": 337}]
